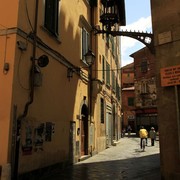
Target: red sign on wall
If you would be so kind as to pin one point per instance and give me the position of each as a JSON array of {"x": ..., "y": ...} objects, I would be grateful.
[{"x": 170, "y": 76}]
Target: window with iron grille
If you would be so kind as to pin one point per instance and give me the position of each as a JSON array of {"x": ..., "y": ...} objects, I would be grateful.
[
  {"x": 144, "y": 87},
  {"x": 102, "y": 110},
  {"x": 85, "y": 42},
  {"x": 51, "y": 16},
  {"x": 113, "y": 81}
]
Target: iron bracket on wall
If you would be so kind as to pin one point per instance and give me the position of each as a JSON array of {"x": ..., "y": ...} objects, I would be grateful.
[{"x": 145, "y": 38}]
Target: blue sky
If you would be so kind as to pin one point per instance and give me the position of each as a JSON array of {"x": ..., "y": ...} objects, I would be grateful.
[{"x": 138, "y": 17}]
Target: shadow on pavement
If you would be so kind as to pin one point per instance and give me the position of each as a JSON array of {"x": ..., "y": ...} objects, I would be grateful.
[{"x": 138, "y": 168}]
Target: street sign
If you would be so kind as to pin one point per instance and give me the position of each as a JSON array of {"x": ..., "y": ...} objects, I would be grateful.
[{"x": 170, "y": 76}]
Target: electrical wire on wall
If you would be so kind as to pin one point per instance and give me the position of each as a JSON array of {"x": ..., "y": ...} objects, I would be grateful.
[
  {"x": 27, "y": 13},
  {"x": 6, "y": 64},
  {"x": 5, "y": 70},
  {"x": 31, "y": 96},
  {"x": 18, "y": 73}
]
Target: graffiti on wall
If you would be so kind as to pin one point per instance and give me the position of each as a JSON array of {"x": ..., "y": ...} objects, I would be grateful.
[
  {"x": 36, "y": 136},
  {"x": 49, "y": 131},
  {"x": 38, "y": 140},
  {"x": 28, "y": 145}
]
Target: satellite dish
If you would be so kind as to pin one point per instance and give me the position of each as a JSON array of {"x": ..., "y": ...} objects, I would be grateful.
[{"x": 43, "y": 61}]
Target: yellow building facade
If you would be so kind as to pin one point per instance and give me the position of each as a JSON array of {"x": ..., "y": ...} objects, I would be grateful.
[{"x": 55, "y": 108}]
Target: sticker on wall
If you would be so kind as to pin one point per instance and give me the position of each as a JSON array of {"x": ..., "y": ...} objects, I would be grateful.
[
  {"x": 27, "y": 146},
  {"x": 38, "y": 133},
  {"x": 49, "y": 131}
]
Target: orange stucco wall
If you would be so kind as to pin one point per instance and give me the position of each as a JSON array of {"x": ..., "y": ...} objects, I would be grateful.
[
  {"x": 6, "y": 79},
  {"x": 8, "y": 19}
]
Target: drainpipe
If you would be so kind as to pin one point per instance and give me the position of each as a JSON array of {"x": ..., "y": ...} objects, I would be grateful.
[
  {"x": 31, "y": 97},
  {"x": 90, "y": 82}
]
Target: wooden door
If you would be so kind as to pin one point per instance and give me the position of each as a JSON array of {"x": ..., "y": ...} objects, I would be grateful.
[{"x": 82, "y": 137}]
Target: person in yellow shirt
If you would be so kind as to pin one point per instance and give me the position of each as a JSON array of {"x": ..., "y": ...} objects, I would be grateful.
[{"x": 143, "y": 134}]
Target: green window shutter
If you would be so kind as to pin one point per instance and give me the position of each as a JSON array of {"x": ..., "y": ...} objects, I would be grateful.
[
  {"x": 103, "y": 68},
  {"x": 102, "y": 110},
  {"x": 85, "y": 42},
  {"x": 107, "y": 74}
]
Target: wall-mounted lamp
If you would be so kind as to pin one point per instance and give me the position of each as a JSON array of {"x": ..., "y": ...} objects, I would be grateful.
[
  {"x": 89, "y": 57},
  {"x": 89, "y": 60},
  {"x": 69, "y": 73}
]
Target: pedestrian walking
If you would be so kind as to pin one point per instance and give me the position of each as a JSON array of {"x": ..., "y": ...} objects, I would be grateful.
[
  {"x": 123, "y": 132},
  {"x": 129, "y": 129},
  {"x": 143, "y": 134},
  {"x": 152, "y": 135}
]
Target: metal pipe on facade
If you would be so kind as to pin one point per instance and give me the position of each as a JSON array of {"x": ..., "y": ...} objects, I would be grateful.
[
  {"x": 31, "y": 95},
  {"x": 90, "y": 80}
]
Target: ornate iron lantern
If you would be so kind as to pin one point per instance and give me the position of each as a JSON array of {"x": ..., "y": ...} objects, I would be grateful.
[
  {"x": 113, "y": 13},
  {"x": 89, "y": 57}
]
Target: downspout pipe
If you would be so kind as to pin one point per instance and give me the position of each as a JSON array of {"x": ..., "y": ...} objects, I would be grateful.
[
  {"x": 90, "y": 76},
  {"x": 31, "y": 96}
]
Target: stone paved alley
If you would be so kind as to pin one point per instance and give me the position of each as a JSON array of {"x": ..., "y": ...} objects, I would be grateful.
[{"x": 124, "y": 161}]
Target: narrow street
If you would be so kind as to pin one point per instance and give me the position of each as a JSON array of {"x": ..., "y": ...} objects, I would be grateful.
[{"x": 124, "y": 161}]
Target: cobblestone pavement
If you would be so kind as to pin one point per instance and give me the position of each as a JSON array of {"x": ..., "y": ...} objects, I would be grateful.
[{"x": 125, "y": 161}]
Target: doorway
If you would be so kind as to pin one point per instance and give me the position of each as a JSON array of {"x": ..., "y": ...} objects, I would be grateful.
[
  {"x": 108, "y": 129},
  {"x": 84, "y": 130}
]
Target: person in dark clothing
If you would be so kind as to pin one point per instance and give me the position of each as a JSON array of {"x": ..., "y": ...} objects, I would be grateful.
[
  {"x": 152, "y": 135},
  {"x": 129, "y": 129}
]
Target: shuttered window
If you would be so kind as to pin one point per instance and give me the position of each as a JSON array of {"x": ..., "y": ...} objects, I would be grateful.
[
  {"x": 107, "y": 74},
  {"x": 113, "y": 81},
  {"x": 85, "y": 42},
  {"x": 103, "y": 68},
  {"x": 102, "y": 110}
]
